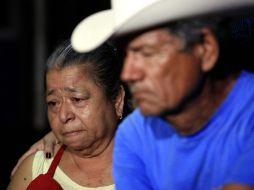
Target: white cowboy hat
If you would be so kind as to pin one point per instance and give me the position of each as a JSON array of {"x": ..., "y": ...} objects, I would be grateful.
[{"x": 127, "y": 16}]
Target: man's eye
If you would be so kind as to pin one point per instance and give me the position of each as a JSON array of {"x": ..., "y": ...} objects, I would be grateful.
[{"x": 148, "y": 53}]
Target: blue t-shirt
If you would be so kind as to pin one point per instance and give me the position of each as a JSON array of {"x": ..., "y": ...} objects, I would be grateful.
[{"x": 149, "y": 154}]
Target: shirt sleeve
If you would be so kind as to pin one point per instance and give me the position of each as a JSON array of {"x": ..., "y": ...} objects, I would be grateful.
[
  {"x": 128, "y": 168},
  {"x": 243, "y": 171}
]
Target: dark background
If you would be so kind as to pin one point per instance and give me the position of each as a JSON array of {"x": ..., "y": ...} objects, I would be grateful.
[{"x": 29, "y": 31}]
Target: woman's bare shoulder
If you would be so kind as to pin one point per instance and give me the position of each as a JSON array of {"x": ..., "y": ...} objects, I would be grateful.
[{"x": 23, "y": 174}]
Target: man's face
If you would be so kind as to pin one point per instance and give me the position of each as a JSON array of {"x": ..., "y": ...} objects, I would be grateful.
[{"x": 159, "y": 73}]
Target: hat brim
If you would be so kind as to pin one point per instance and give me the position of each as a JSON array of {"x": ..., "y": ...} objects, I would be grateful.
[
  {"x": 97, "y": 28},
  {"x": 92, "y": 31}
]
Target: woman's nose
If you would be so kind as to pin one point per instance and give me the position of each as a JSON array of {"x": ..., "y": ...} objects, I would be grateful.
[{"x": 65, "y": 113}]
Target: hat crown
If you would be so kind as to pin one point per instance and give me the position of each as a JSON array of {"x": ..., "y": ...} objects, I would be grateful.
[
  {"x": 124, "y": 9},
  {"x": 128, "y": 16}
]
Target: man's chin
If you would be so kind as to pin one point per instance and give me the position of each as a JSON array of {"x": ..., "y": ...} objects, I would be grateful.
[
  {"x": 159, "y": 112},
  {"x": 149, "y": 111},
  {"x": 171, "y": 112}
]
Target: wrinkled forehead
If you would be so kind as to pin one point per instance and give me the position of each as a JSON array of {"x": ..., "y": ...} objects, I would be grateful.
[
  {"x": 69, "y": 79},
  {"x": 151, "y": 36},
  {"x": 70, "y": 73},
  {"x": 124, "y": 42}
]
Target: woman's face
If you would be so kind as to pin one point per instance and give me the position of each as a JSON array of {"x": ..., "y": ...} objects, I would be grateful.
[{"x": 79, "y": 113}]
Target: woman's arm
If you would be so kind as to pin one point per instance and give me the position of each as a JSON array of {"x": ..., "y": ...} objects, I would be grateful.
[
  {"x": 47, "y": 144},
  {"x": 23, "y": 175}
]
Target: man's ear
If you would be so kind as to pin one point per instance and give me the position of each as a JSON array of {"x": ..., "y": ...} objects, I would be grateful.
[
  {"x": 209, "y": 49},
  {"x": 119, "y": 103}
]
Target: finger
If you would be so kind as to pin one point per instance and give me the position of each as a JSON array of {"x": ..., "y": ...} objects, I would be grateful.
[
  {"x": 48, "y": 149},
  {"x": 49, "y": 145},
  {"x": 15, "y": 169},
  {"x": 49, "y": 142}
]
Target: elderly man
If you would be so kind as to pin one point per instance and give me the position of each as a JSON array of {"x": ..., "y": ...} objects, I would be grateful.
[{"x": 194, "y": 124}]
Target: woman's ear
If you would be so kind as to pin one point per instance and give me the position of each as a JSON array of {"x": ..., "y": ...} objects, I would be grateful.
[
  {"x": 209, "y": 49},
  {"x": 119, "y": 103}
]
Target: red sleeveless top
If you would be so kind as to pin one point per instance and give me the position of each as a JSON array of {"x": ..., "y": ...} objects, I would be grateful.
[{"x": 46, "y": 181}]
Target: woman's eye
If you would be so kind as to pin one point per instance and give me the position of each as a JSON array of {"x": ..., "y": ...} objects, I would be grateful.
[
  {"x": 51, "y": 103},
  {"x": 79, "y": 102},
  {"x": 74, "y": 99}
]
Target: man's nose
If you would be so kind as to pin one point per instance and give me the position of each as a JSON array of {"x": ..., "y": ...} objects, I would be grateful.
[{"x": 132, "y": 68}]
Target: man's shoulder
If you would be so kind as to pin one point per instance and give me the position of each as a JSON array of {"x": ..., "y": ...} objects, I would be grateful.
[
  {"x": 137, "y": 118},
  {"x": 247, "y": 77},
  {"x": 133, "y": 119},
  {"x": 140, "y": 124},
  {"x": 244, "y": 87}
]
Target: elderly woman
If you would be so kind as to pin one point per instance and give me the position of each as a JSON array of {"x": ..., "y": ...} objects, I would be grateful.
[{"x": 85, "y": 102}]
